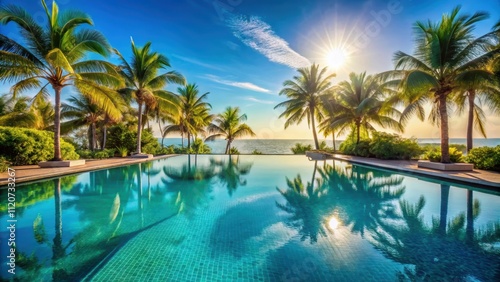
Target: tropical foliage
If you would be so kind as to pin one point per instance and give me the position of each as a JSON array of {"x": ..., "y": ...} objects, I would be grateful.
[
  {"x": 485, "y": 158},
  {"x": 144, "y": 83},
  {"x": 54, "y": 56},
  {"x": 303, "y": 94},
  {"x": 448, "y": 60},
  {"x": 363, "y": 103},
  {"x": 24, "y": 146},
  {"x": 229, "y": 124}
]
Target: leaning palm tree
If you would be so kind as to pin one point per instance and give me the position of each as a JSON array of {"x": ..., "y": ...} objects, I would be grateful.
[
  {"x": 229, "y": 125},
  {"x": 362, "y": 104},
  {"x": 55, "y": 56},
  {"x": 446, "y": 56},
  {"x": 303, "y": 94},
  {"x": 144, "y": 84}
]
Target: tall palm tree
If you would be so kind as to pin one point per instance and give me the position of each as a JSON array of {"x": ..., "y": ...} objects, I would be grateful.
[
  {"x": 192, "y": 113},
  {"x": 362, "y": 102},
  {"x": 479, "y": 88},
  {"x": 55, "y": 56},
  {"x": 229, "y": 125},
  {"x": 446, "y": 55},
  {"x": 144, "y": 83},
  {"x": 331, "y": 109},
  {"x": 303, "y": 94}
]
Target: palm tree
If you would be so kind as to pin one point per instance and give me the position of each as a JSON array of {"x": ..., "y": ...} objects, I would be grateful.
[
  {"x": 192, "y": 113},
  {"x": 54, "y": 56},
  {"x": 447, "y": 56},
  {"x": 26, "y": 112},
  {"x": 331, "y": 109},
  {"x": 303, "y": 94},
  {"x": 362, "y": 102},
  {"x": 480, "y": 88},
  {"x": 229, "y": 125},
  {"x": 144, "y": 84}
]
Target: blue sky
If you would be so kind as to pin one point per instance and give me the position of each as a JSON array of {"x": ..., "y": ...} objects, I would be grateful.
[{"x": 241, "y": 51}]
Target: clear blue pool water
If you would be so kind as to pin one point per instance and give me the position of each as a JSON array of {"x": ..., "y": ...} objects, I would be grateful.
[{"x": 252, "y": 218}]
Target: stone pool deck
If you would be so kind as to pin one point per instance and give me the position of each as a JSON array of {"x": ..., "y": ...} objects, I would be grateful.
[
  {"x": 481, "y": 178},
  {"x": 477, "y": 177},
  {"x": 34, "y": 172}
]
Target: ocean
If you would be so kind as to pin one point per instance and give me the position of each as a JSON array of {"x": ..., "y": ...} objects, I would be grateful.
[{"x": 283, "y": 146}]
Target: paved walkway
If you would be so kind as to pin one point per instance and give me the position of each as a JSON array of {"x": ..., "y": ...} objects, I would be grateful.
[
  {"x": 34, "y": 172},
  {"x": 474, "y": 178}
]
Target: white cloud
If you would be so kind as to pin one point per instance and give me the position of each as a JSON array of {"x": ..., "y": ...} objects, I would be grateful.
[
  {"x": 258, "y": 35},
  {"x": 244, "y": 85},
  {"x": 196, "y": 62},
  {"x": 252, "y": 99}
]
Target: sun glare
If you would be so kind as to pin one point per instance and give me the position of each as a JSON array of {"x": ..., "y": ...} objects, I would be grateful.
[
  {"x": 333, "y": 223},
  {"x": 336, "y": 58}
]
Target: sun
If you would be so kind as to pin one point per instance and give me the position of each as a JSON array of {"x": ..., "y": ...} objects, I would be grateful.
[{"x": 336, "y": 58}]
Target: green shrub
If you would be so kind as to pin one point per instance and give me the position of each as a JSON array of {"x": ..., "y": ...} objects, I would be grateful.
[
  {"x": 101, "y": 154},
  {"x": 485, "y": 158},
  {"x": 4, "y": 164},
  {"x": 362, "y": 149},
  {"x": 199, "y": 147},
  {"x": 434, "y": 155},
  {"x": 122, "y": 151},
  {"x": 234, "y": 151},
  {"x": 121, "y": 136},
  {"x": 167, "y": 150},
  {"x": 392, "y": 146},
  {"x": 437, "y": 146},
  {"x": 24, "y": 146},
  {"x": 301, "y": 148},
  {"x": 256, "y": 152},
  {"x": 85, "y": 154}
]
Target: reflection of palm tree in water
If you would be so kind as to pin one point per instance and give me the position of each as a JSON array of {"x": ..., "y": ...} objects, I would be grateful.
[
  {"x": 191, "y": 185},
  {"x": 230, "y": 173},
  {"x": 367, "y": 197},
  {"x": 307, "y": 205},
  {"x": 360, "y": 196},
  {"x": 452, "y": 255}
]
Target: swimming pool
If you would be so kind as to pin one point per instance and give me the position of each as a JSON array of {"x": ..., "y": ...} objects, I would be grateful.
[{"x": 252, "y": 218}]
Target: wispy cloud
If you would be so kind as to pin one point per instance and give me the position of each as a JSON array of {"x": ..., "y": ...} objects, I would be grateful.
[
  {"x": 252, "y": 99},
  {"x": 244, "y": 85},
  {"x": 258, "y": 35},
  {"x": 196, "y": 62}
]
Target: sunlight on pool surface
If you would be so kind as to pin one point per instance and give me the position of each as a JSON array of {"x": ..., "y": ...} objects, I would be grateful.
[{"x": 252, "y": 218}]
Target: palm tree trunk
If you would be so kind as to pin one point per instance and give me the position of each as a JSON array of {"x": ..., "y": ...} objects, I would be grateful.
[
  {"x": 189, "y": 141},
  {"x": 333, "y": 140},
  {"x": 470, "y": 119},
  {"x": 443, "y": 115},
  {"x": 92, "y": 137},
  {"x": 469, "y": 229},
  {"x": 162, "y": 135},
  {"x": 445, "y": 193},
  {"x": 104, "y": 136},
  {"x": 313, "y": 124},
  {"x": 57, "y": 124},
  {"x": 139, "y": 129},
  {"x": 228, "y": 147},
  {"x": 57, "y": 247},
  {"x": 358, "y": 128}
]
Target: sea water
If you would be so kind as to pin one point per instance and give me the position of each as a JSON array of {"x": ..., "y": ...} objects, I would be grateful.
[{"x": 283, "y": 146}]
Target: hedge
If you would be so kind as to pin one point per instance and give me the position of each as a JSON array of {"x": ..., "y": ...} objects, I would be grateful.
[{"x": 25, "y": 146}]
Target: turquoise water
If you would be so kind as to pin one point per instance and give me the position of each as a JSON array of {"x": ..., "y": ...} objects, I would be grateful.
[
  {"x": 283, "y": 146},
  {"x": 252, "y": 218}
]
